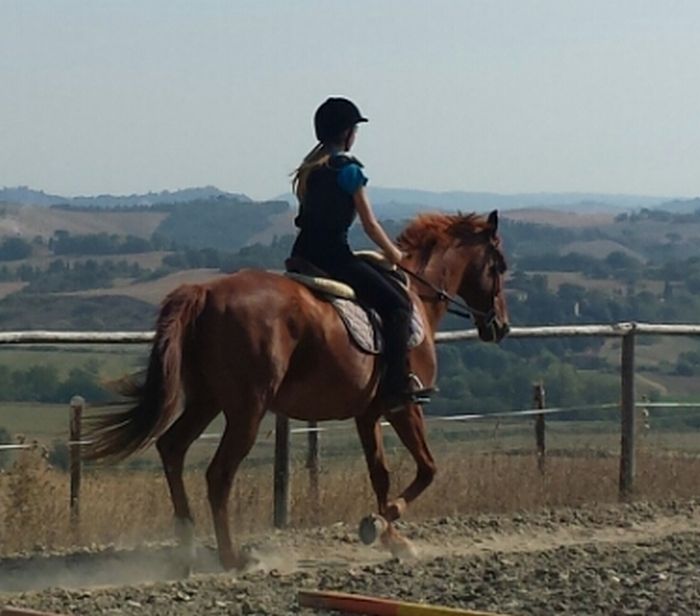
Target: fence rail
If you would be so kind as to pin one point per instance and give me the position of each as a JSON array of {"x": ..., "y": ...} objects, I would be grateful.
[
  {"x": 544, "y": 331},
  {"x": 627, "y": 331}
]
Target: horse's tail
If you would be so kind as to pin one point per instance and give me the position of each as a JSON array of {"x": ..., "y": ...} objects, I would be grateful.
[{"x": 117, "y": 435}]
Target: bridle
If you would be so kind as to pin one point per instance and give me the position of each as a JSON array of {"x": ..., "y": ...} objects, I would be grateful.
[{"x": 455, "y": 305}]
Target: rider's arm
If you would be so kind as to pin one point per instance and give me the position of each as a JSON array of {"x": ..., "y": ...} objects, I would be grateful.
[{"x": 372, "y": 227}]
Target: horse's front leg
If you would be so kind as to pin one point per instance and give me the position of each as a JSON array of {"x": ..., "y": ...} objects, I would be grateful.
[
  {"x": 409, "y": 424},
  {"x": 370, "y": 432}
]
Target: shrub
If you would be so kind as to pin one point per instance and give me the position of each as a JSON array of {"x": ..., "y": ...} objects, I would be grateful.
[{"x": 59, "y": 455}]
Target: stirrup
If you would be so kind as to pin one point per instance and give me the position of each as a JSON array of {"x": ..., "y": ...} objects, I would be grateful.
[{"x": 415, "y": 393}]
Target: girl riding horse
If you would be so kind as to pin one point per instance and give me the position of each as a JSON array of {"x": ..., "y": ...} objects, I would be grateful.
[
  {"x": 330, "y": 187},
  {"x": 256, "y": 341}
]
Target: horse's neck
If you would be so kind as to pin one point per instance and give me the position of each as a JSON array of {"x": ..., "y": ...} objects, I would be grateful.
[{"x": 441, "y": 274}]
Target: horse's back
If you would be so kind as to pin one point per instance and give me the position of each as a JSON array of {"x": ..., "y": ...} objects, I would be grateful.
[
  {"x": 264, "y": 331},
  {"x": 261, "y": 294},
  {"x": 264, "y": 312}
]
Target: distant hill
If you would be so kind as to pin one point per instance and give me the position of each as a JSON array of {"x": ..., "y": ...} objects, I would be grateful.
[
  {"x": 400, "y": 203},
  {"x": 27, "y": 196},
  {"x": 394, "y": 203},
  {"x": 482, "y": 201},
  {"x": 681, "y": 206},
  {"x": 223, "y": 223},
  {"x": 29, "y": 221},
  {"x": 206, "y": 217}
]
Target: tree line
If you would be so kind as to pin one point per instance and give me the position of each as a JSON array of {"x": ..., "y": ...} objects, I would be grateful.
[
  {"x": 61, "y": 276},
  {"x": 472, "y": 376},
  {"x": 43, "y": 383}
]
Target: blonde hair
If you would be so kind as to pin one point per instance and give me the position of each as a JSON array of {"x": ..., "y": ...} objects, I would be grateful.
[{"x": 317, "y": 157}]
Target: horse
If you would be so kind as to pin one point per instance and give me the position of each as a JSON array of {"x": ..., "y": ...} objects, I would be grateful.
[{"x": 254, "y": 341}]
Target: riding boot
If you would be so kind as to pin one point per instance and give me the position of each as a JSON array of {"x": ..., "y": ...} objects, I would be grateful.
[
  {"x": 400, "y": 386},
  {"x": 396, "y": 333}
]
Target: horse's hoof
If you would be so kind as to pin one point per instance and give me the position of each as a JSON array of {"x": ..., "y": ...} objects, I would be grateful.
[
  {"x": 403, "y": 549},
  {"x": 181, "y": 562},
  {"x": 371, "y": 527},
  {"x": 250, "y": 560},
  {"x": 242, "y": 561}
]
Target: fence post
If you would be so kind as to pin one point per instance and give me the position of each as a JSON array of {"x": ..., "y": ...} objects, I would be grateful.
[
  {"x": 77, "y": 404},
  {"x": 538, "y": 396},
  {"x": 627, "y": 417},
  {"x": 281, "y": 480},
  {"x": 313, "y": 464}
]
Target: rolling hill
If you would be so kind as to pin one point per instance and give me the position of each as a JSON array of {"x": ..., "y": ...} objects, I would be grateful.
[
  {"x": 28, "y": 196},
  {"x": 29, "y": 221}
]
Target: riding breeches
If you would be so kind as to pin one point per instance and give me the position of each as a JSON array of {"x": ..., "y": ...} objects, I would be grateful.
[{"x": 391, "y": 303}]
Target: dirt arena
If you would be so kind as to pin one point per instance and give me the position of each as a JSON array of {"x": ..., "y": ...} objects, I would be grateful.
[{"x": 628, "y": 559}]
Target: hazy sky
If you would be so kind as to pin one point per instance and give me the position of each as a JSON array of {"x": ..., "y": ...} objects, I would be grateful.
[{"x": 125, "y": 96}]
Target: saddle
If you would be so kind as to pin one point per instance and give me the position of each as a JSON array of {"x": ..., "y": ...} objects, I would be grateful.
[{"x": 363, "y": 324}]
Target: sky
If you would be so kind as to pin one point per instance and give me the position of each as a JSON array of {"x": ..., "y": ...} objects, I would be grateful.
[{"x": 507, "y": 96}]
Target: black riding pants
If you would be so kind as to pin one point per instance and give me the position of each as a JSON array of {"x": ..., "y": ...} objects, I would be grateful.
[
  {"x": 393, "y": 306},
  {"x": 373, "y": 289}
]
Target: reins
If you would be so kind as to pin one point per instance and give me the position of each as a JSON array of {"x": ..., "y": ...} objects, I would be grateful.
[{"x": 455, "y": 305}]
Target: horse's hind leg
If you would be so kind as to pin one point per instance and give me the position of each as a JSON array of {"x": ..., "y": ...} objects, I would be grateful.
[
  {"x": 236, "y": 443},
  {"x": 172, "y": 447},
  {"x": 370, "y": 433}
]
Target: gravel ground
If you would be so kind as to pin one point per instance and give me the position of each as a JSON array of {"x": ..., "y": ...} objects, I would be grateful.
[{"x": 634, "y": 559}]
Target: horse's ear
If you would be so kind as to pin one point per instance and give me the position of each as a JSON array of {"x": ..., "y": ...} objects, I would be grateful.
[{"x": 493, "y": 221}]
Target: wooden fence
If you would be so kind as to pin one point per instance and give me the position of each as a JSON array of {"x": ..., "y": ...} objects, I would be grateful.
[{"x": 626, "y": 331}]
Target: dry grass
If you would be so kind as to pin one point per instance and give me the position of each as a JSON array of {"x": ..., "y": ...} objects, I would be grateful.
[
  {"x": 8, "y": 288},
  {"x": 30, "y": 220},
  {"x": 125, "y": 508}
]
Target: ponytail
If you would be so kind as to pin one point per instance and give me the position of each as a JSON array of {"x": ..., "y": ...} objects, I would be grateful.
[{"x": 317, "y": 157}]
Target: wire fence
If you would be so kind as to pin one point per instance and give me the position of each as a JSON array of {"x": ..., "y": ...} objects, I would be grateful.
[{"x": 213, "y": 437}]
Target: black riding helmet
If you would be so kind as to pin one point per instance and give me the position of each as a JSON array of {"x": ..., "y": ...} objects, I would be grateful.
[{"x": 334, "y": 116}]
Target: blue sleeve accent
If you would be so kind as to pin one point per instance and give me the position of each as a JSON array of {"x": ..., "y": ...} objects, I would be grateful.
[{"x": 351, "y": 177}]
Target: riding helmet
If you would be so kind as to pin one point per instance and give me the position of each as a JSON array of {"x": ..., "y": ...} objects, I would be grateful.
[{"x": 334, "y": 116}]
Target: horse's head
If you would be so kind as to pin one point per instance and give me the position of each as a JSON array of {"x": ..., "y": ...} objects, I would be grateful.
[
  {"x": 461, "y": 255},
  {"x": 481, "y": 285}
]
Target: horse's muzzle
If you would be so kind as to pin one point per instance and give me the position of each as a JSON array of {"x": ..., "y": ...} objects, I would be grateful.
[{"x": 493, "y": 331}]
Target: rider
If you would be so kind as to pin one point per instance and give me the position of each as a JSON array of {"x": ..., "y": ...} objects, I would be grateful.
[{"x": 330, "y": 187}]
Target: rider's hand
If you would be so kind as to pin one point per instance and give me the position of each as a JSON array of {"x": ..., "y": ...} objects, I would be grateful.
[{"x": 396, "y": 256}]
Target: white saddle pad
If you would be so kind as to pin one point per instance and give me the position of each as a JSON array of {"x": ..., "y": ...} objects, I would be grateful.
[{"x": 364, "y": 326}]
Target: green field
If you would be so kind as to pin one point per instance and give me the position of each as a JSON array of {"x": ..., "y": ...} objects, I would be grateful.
[
  {"x": 42, "y": 422},
  {"x": 47, "y": 423},
  {"x": 113, "y": 361}
]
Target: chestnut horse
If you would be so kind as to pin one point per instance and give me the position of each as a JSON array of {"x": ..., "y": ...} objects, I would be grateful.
[{"x": 255, "y": 341}]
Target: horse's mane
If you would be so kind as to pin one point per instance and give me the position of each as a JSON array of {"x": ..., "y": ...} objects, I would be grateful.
[{"x": 434, "y": 230}]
